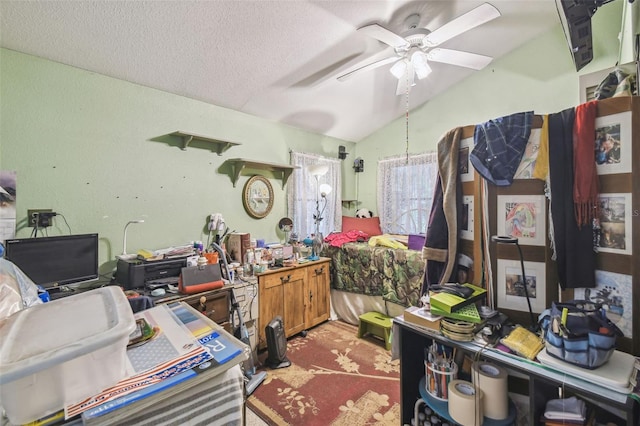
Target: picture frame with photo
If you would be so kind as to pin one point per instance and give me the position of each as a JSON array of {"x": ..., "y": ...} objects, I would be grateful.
[
  {"x": 615, "y": 223},
  {"x": 465, "y": 168},
  {"x": 522, "y": 217},
  {"x": 613, "y": 143},
  {"x": 615, "y": 293},
  {"x": 510, "y": 291},
  {"x": 466, "y": 228}
]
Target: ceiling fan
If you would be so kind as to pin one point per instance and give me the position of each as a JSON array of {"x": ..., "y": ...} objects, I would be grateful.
[{"x": 416, "y": 47}]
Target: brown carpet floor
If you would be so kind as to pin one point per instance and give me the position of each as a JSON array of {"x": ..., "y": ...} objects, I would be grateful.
[{"x": 335, "y": 379}]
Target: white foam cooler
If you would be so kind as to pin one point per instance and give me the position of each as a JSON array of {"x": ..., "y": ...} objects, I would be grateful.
[{"x": 62, "y": 352}]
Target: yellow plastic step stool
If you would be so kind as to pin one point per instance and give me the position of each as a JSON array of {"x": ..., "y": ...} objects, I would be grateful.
[{"x": 377, "y": 324}]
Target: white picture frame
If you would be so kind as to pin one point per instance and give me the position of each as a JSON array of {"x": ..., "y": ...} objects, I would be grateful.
[
  {"x": 465, "y": 168},
  {"x": 466, "y": 228},
  {"x": 614, "y": 291},
  {"x": 615, "y": 223},
  {"x": 522, "y": 217},
  {"x": 510, "y": 292},
  {"x": 612, "y": 130}
]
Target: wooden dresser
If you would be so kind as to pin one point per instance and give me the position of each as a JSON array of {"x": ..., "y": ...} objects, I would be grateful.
[{"x": 300, "y": 294}]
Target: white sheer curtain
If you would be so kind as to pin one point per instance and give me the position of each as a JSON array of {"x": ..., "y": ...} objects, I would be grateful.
[
  {"x": 302, "y": 194},
  {"x": 405, "y": 192}
]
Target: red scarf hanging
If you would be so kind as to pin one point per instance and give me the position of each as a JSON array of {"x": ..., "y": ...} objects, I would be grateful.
[{"x": 585, "y": 178}]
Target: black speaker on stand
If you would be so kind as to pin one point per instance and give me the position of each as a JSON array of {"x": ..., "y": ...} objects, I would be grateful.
[{"x": 276, "y": 344}]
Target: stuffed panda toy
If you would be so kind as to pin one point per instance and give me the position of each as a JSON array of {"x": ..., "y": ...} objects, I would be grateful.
[{"x": 364, "y": 213}]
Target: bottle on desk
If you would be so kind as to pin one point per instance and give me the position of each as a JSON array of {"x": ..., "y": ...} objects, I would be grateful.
[{"x": 249, "y": 261}]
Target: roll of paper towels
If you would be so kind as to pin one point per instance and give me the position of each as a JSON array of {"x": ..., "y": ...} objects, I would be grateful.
[
  {"x": 465, "y": 403},
  {"x": 492, "y": 380}
]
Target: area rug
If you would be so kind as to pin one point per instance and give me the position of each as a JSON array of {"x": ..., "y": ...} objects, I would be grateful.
[{"x": 335, "y": 378}]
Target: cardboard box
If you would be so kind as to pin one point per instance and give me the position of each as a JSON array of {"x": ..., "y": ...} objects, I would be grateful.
[
  {"x": 62, "y": 352},
  {"x": 237, "y": 245}
]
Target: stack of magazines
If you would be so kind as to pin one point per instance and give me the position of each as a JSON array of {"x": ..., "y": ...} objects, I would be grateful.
[{"x": 172, "y": 344}]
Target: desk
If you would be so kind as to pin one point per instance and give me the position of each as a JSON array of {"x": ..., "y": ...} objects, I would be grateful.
[
  {"x": 214, "y": 304},
  {"x": 543, "y": 381}
]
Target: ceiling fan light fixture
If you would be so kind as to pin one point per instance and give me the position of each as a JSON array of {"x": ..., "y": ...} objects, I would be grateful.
[
  {"x": 399, "y": 69},
  {"x": 420, "y": 64},
  {"x": 411, "y": 80}
]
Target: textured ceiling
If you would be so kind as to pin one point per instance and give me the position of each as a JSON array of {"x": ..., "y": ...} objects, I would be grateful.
[{"x": 272, "y": 59}]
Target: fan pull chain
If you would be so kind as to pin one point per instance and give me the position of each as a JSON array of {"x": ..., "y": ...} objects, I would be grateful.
[{"x": 407, "y": 118}]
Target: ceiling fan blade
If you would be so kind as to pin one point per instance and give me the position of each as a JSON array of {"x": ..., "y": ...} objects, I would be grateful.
[
  {"x": 478, "y": 16},
  {"x": 372, "y": 65},
  {"x": 459, "y": 58},
  {"x": 384, "y": 35}
]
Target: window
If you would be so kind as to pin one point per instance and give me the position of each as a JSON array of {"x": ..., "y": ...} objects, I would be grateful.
[
  {"x": 303, "y": 195},
  {"x": 405, "y": 192}
]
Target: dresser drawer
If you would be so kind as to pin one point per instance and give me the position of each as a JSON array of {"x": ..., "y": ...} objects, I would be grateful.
[
  {"x": 284, "y": 277},
  {"x": 216, "y": 304}
]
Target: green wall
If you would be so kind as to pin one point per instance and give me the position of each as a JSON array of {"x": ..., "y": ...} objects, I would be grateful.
[
  {"x": 90, "y": 147},
  {"x": 539, "y": 76}
]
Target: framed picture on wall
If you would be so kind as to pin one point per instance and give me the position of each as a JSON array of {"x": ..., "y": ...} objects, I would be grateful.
[
  {"x": 464, "y": 163},
  {"x": 528, "y": 162},
  {"x": 511, "y": 290},
  {"x": 613, "y": 143},
  {"x": 615, "y": 223},
  {"x": 523, "y": 217},
  {"x": 615, "y": 293},
  {"x": 466, "y": 228}
]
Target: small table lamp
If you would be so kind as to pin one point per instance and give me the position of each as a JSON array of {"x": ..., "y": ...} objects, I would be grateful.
[{"x": 124, "y": 238}]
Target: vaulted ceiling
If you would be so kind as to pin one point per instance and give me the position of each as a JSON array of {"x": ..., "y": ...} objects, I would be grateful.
[{"x": 273, "y": 59}]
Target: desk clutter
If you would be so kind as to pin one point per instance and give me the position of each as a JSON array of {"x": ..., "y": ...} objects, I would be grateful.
[
  {"x": 112, "y": 358},
  {"x": 49, "y": 358},
  {"x": 457, "y": 387}
]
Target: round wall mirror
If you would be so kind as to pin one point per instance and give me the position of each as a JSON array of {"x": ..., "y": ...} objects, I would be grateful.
[
  {"x": 257, "y": 197},
  {"x": 285, "y": 225}
]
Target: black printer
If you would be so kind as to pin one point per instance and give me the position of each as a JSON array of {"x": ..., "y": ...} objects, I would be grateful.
[{"x": 136, "y": 273}]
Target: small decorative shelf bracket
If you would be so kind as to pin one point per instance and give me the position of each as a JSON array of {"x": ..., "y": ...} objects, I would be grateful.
[
  {"x": 218, "y": 146},
  {"x": 239, "y": 164},
  {"x": 348, "y": 203}
]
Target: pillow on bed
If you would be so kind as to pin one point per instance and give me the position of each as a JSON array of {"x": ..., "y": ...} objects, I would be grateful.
[{"x": 369, "y": 225}]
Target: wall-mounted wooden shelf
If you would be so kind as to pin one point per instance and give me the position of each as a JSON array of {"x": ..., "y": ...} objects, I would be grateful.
[
  {"x": 218, "y": 145},
  {"x": 239, "y": 164},
  {"x": 348, "y": 203}
]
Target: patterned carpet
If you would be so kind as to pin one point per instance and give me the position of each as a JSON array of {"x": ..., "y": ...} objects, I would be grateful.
[{"x": 335, "y": 379}]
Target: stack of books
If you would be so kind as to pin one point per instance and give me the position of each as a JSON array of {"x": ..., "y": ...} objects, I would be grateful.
[{"x": 422, "y": 317}]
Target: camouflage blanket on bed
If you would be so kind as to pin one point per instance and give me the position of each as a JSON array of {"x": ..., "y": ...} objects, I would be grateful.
[{"x": 394, "y": 274}]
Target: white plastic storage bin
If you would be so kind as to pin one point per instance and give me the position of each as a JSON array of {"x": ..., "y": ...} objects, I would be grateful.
[{"x": 63, "y": 351}]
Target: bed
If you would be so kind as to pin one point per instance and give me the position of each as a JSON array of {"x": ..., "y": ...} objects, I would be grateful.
[{"x": 365, "y": 278}]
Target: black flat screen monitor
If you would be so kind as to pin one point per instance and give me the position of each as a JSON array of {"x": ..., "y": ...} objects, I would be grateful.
[{"x": 56, "y": 261}]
